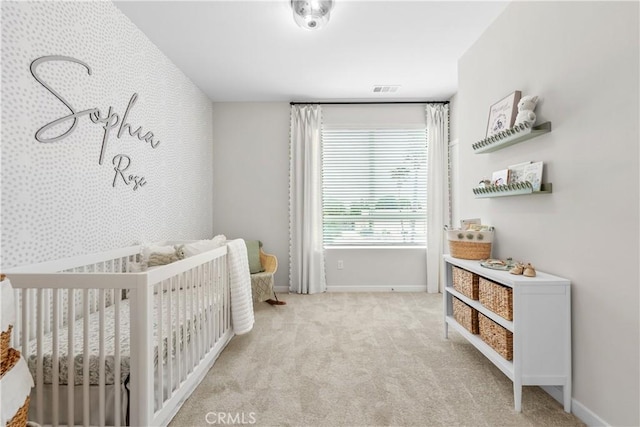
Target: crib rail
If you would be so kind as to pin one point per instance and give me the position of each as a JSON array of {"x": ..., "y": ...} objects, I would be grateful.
[{"x": 108, "y": 346}]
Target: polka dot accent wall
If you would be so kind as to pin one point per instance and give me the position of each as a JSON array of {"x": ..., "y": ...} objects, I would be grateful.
[{"x": 58, "y": 200}]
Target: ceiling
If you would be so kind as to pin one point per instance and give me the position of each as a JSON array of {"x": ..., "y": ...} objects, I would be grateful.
[{"x": 244, "y": 50}]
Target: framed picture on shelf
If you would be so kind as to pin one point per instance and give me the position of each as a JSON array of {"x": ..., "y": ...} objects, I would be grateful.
[
  {"x": 533, "y": 174},
  {"x": 503, "y": 113},
  {"x": 500, "y": 177},
  {"x": 516, "y": 172}
]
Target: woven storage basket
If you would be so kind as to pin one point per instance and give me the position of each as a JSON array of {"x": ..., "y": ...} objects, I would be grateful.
[
  {"x": 465, "y": 282},
  {"x": 474, "y": 245},
  {"x": 500, "y": 339},
  {"x": 496, "y": 298},
  {"x": 5, "y": 342},
  {"x": 13, "y": 356},
  {"x": 20, "y": 418},
  {"x": 465, "y": 315}
]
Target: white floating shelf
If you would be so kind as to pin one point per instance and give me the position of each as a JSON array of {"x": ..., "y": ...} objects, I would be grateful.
[
  {"x": 518, "y": 189},
  {"x": 509, "y": 137}
]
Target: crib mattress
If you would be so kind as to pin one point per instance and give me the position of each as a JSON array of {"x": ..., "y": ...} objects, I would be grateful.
[{"x": 183, "y": 330}]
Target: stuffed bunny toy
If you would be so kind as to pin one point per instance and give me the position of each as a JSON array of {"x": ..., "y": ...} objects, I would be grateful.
[{"x": 525, "y": 110}]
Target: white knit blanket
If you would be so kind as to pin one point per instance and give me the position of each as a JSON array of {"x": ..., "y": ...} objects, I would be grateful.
[
  {"x": 15, "y": 386},
  {"x": 240, "y": 287}
]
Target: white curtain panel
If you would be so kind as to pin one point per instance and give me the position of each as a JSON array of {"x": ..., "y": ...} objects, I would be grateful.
[
  {"x": 306, "y": 271},
  {"x": 437, "y": 116}
]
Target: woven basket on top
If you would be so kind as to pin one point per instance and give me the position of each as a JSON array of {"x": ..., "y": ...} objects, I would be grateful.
[
  {"x": 470, "y": 250},
  {"x": 474, "y": 245},
  {"x": 500, "y": 339},
  {"x": 5, "y": 343},
  {"x": 13, "y": 357},
  {"x": 496, "y": 298}
]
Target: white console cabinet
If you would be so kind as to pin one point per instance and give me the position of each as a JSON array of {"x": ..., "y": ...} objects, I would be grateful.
[{"x": 541, "y": 327}]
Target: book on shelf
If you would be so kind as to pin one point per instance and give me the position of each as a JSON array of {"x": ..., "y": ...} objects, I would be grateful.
[
  {"x": 500, "y": 177},
  {"x": 533, "y": 174},
  {"x": 516, "y": 172}
]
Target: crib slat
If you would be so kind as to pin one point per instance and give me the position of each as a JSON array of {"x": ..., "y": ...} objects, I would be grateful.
[
  {"x": 47, "y": 317},
  {"x": 201, "y": 312},
  {"x": 70, "y": 365},
  {"x": 40, "y": 316},
  {"x": 101, "y": 357},
  {"x": 55, "y": 358},
  {"x": 195, "y": 315},
  {"x": 217, "y": 295},
  {"x": 227, "y": 296},
  {"x": 207, "y": 304},
  {"x": 201, "y": 316},
  {"x": 171, "y": 342},
  {"x": 116, "y": 355},
  {"x": 24, "y": 336},
  {"x": 193, "y": 335},
  {"x": 160, "y": 349},
  {"x": 86, "y": 298},
  {"x": 184, "y": 325},
  {"x": 178, "y": 317}
]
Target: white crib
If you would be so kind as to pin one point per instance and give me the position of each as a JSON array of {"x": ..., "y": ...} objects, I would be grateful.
[{"x": 108, "y": 346}]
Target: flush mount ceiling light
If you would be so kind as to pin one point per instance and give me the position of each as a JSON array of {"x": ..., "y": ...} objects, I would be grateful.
[{"x": 311, "y": 14}]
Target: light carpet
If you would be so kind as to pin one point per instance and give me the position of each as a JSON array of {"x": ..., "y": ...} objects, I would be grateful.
[{"x": 359, "y": 359}]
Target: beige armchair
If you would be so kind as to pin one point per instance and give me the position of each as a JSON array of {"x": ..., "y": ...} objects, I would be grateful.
[{"x": 262, "y": 283}]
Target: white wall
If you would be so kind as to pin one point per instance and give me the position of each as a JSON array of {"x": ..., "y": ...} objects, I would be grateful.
[
  {"x": 251, "y": 198},
  {"x": 582, "y": 58},
  {"x": 251, "y": 176},
  {"x": 376, "y": 269},
  {"x": 57, "y": 200}
]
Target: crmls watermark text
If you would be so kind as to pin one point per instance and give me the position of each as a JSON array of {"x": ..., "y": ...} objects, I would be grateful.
[{"x": 230, "y": 418}]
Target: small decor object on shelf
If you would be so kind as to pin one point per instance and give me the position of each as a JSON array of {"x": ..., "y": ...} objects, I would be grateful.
[
  {"x": 516, "y": 172},
  {"x": 517, "y": 269},
  {"x": 502, "y": 114},
  {"x": 529, "y": 271},
  {"x": 521, "y": 269},
  {"x": 500, "y": 177},
  {"x": 497, "y": 264},
  {"x": 533, "y": 174},
  {"x": 484, "y": 183},
  {"x": 525, "y": 110}
]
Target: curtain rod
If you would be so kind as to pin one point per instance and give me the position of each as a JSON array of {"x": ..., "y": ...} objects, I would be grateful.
[{"x": 372, "y": 102}]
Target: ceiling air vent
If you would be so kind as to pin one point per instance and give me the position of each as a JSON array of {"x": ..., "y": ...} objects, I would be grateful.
[{"x": 386, "y": 88}]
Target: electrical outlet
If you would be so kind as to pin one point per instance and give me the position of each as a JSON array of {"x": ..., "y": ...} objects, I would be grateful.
[{"x": 340, "y": 264}]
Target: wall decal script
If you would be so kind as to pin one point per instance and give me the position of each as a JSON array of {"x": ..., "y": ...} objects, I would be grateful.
[{"x": 109, "y": 121}]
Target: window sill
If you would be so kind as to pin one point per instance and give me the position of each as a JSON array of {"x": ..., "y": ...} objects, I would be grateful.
[{"x": 328, "y": 248}]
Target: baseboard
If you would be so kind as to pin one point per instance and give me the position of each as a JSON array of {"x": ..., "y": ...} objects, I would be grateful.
[
  {"x": 285, "y": 289},
  {"x": 578, "y": 409},
  {"x": 376, "y": 288}
]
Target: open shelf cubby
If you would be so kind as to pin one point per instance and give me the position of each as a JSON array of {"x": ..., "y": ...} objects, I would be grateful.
[{"x": 515, "y": 135}]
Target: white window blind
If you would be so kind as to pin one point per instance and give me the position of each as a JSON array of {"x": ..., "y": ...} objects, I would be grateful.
[{"x": 374, "y": 187}]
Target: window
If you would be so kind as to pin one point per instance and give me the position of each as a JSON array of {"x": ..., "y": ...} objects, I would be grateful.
[{"x": 374, "y": 187}]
